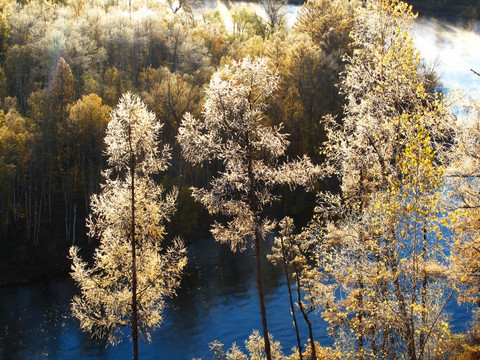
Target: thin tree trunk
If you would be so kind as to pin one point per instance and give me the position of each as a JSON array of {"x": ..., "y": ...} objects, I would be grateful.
[
  {"x": 28, "y": 205},
  {"x": 292, "y": 307},
  {"x": 359, "y": 297},
  {"x": 374, "y": 342},
  {"x": 65, "y": 178},
  {"x": 50, "y": 197},
  {"x": 307, "y": 320},
  {"x": 14, "y": 197},
  {"x": 261, "y": 296},
  {"x": 74, "y": 223},
  {"x": 393, "y": 352},
  {"x": 253, "y": 209},
  {"x": 360, "y": 313},
  {"x": 408, "y": 330},
  {"x": 134, "y": 259},
  {"x": 422, "y": 340}
]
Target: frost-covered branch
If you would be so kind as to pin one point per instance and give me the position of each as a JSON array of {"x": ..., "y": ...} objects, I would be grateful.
[{"x": 132, "y": 270}]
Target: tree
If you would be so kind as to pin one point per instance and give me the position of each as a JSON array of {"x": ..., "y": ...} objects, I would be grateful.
[
  {"x": 463, "y": 177},
  {"x": 132, "y": 272},
  {"x": 171, "y": 98},
  {"x": 80, "y": 156},
  {"x": 282, "y": 254},
  {"x": 187, "y": 50},
  {"x": 275, "y": 11},
  {"x": 295, "y": 252},
  {"x": 27, "y": 61},
  {"x": 312, "y": 74},
  {"x": 112, "y": 86},
  {"x": 61, "y": 90},
  {"x": 382, "y": 243},
  {"x": 59, "y": 95},
  {"x": 247, "y": 23},
  {"x": 308, "y": 89},
  {"x": 234, "y": 133},
  {"x": 254, "y": 346},
  {"x": 16, "y": 144},
  {"x": 212, "y": 31},
  {"x": 328, "y": 23},
  {"x": 79, "y": 43},
  {"x": 5, "y": 33}
]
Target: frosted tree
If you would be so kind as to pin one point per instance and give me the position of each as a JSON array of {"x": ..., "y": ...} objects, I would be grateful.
[
  {"x": 234, "y": 131},
  {"x": 463, "y": 177},
  {"x": 132, "y": 272},
  {"x": 275, "y": 11},
  {"x": 254, "y": 346},
  {"x": 294, "y": 252},
  {"x": 383, "y": 244}
]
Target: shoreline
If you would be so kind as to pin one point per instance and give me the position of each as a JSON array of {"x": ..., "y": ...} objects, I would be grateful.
[
  {"x": 14, "y": 277},
  {"x": 452, "y": 11}
]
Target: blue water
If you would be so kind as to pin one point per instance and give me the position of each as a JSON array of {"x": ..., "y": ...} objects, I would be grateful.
[{"x": 218, "y": 301}]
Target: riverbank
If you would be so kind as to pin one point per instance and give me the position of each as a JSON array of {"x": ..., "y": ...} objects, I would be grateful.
[{"x": 33, "y": 269}]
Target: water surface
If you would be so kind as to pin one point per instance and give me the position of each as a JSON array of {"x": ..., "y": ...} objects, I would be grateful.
[{"x": 218, "y": 301}]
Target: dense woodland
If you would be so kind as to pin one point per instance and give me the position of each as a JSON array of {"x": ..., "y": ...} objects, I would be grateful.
[
  {"x": 328, "y": 135},
  {"x": 65, "y": 65}
]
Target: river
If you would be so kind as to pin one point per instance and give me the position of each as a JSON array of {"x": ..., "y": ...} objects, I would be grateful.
[
  {"x": 452, "y": 46},
  {"x": 218, "y": 299}
]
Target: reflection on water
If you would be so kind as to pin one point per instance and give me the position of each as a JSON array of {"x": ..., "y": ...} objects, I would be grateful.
[{"x": 453, "y": 45}]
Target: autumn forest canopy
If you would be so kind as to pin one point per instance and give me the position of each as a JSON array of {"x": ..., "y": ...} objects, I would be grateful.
[
  {"x": 65, "y": 66},
  {"x": 128, "y": 130}
]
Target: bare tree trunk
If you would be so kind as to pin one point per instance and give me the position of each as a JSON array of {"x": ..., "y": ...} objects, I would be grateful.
[
  {"x": 360, "y": 314},
  {"x": 65, "y": 178},
  {"x": 422, "y": 338},
  {"x": 261, "y": 296},
  {"x": 253, "y": 209},
  {"x": 28, "y": 205},
  {"x": 74, "y": 224},
  {"x": 307, "y": 320},
  {"x": 175, "y": 52},
  {"x": 292, "y": 307},
  {"x": 50, "y": 197},
  {"x": 408, "y": 330},
  {"x": 134, "y": 320}
]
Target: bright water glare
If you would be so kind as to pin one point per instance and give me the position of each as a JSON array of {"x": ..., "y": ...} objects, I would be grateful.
[{"x": 452, "y": 46}]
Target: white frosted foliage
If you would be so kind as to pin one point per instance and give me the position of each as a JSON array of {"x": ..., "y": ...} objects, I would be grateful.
[
  {"x": 105, "y": 303},
  {"x": 235, "y": 131}
]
